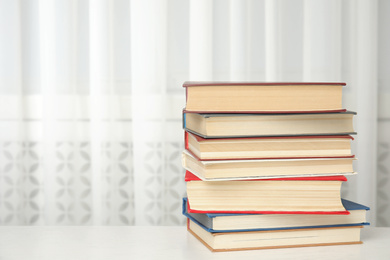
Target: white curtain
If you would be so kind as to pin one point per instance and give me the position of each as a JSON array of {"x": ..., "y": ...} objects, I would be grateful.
[{"x": 91, "y": 96}]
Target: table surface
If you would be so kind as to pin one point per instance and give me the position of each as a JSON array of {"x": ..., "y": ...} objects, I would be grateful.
[{"x": 172, "y": 243}]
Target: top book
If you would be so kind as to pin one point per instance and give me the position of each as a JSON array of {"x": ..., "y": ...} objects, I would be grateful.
[{"x": 263, "y": 97}]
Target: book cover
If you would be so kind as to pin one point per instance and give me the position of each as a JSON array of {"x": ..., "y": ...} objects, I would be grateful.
[
  {"x": 237, "y": 83},
  {"x": 205, "y": 219},
  {"x": 192, "y": 177}
]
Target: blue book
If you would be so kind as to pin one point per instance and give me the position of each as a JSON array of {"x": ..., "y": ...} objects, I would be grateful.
[{"x": 220, "y": 222}]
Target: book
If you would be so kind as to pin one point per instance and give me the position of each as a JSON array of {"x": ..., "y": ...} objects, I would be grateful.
[
  {"x": 229, "y": 241},
  {"x": 266, "y": 168},
  {"x": 265, "y": 163},
  {"x": 303, "y": 195},
  {"x": 263, "y": 96},
  {"x": 252, "y": 125},
  {"x": 268, "y": 147},
  {"x": 219, "y": 222}
]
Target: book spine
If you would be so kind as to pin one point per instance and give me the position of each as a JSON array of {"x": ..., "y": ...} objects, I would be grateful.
[
  {"x": 186, "y": 140},
  {"x": 184, "y": 120},
  {"x": 343, "y": 110}
]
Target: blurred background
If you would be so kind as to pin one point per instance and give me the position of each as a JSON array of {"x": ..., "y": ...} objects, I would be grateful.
[{"x": 91, "y": 96}]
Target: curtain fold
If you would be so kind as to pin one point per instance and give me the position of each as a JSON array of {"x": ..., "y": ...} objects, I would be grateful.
[
  {"x": 49, "y": 127},
  {"x": 238, "y": 40},
  {"x": 92, "y": 99},
  {"x": 148, "y": 89},
  {"x": 201, "y": 40},
  {"x": 322, "y": 31},
  {"x": 365, "y": 82}
]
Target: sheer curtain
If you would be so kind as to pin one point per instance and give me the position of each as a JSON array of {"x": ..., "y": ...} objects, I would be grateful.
[{"x": 91, "y": 96}]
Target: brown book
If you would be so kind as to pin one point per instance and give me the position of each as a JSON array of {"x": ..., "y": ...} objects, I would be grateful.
[
  {"x": 230, "y": 241},
  {"x": 247, "y": 97}
]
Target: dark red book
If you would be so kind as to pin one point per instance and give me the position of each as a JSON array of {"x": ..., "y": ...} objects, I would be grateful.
[{"x": 263, "y": 97}]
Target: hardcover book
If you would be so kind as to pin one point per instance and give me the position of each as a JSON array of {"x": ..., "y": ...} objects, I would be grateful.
[
  {"x": 265, "y": 163},
  {"x": 268, "y": 147},
  {"x": 229, "y": 241},
  {"x": 254, "y": 125},
  {"x": 249, "y": 97},
  {"x": 225, "y": 222},
  {"x": 266, "y": 168},
  {"x": 304, "y": 195}
]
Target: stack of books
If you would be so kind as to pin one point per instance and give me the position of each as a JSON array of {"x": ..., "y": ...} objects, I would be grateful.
[{"x": 265, "y": 163}]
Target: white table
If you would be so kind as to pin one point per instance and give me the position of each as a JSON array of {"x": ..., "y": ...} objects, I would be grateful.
[{"x": 172, "y": 243}]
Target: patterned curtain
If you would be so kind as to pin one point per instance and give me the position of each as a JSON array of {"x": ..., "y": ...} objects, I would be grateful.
[{"x": 91, "y": 96}]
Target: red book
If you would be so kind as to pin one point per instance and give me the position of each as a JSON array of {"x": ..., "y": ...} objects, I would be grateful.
[
  {"x": 192, "y": 177},
  {"x": 303, "y": 195}
]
